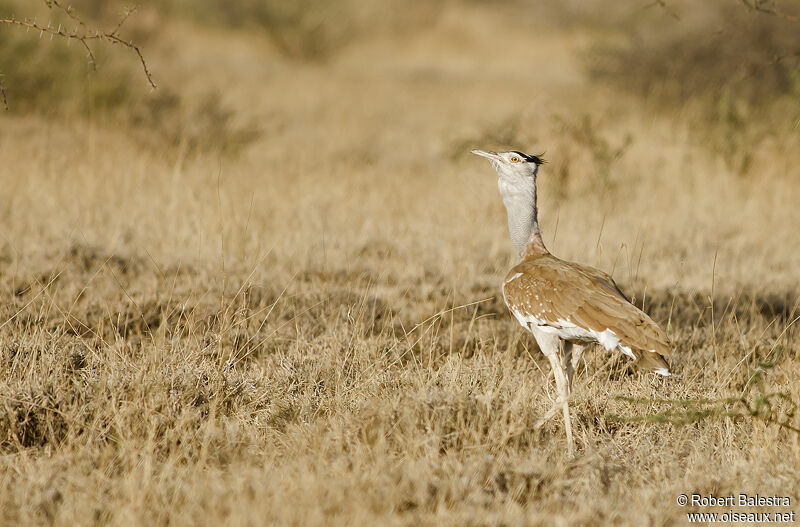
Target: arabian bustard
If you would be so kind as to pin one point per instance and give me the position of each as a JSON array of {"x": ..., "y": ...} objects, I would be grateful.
[{"x": 559, "y": 300}]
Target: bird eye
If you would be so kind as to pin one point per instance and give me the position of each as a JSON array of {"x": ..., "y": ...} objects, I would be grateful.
[{"x": 514, "y": 159}]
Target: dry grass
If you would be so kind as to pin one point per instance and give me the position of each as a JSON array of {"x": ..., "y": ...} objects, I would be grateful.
[{"x": 311, "y": 333}]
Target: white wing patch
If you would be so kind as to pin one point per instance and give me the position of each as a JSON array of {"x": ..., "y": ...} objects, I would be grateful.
[
  {"x": 526, "y": 321},
  {"x": 514, "y": 277},
  {"x": 627, "y": 351},
  {"x": 566, "y": 330}
]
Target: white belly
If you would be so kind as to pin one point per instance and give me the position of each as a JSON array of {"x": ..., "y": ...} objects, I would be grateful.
[{"x": 566, "y": 330}]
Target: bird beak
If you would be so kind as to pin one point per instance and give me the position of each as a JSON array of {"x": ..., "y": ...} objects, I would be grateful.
[{"x": 488, "y": 154}]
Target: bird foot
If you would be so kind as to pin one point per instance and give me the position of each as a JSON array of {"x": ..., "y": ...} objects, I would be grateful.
[
  {"x": 561, "y": 405},
  {"x": 547, "y": 416}
]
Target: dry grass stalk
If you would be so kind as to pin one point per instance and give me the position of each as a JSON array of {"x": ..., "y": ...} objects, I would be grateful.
[{"x": 312, "y": 333}]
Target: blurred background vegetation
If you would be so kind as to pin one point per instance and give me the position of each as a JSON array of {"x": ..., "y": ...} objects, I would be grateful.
[
  {"x": 730, "y": 69},
  {"x": 279, "y": 270}
]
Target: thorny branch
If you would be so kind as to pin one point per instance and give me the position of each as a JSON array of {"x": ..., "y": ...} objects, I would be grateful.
[
  {"x": 81, "y": 33},
  {"x": 760, "y": 6},
  {"x": 3, "y": 92},
  {"x": 663, "y": 5},
  {"x": 766, "y": 7}
]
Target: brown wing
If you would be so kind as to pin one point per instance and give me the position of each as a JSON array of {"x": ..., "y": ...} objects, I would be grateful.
[
  {"x": 551, "y": 290},
  {"x": 603, "y": 279}
]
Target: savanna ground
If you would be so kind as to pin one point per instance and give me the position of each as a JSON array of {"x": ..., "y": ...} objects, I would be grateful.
[{"x": 268, "y": 291}]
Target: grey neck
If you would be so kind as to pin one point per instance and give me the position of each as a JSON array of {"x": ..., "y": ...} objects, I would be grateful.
[{"x": 520, "y": 201}]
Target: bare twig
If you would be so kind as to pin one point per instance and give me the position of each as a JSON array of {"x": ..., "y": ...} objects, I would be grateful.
[
  {"x": 82, "y": 34},
  {"x": 128, "y": 12},
  {"x": 67, "y": 10},
  {"x": 3, "y": 93},
  {"x": 765, "y": 6},
  {"x": 663, "y": 5}
]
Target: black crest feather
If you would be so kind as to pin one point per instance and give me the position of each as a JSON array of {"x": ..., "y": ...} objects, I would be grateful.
[{"x": 538, "y": 160}]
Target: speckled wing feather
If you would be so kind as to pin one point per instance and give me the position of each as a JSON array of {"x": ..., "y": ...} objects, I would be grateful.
[
  {"x": 570, "y": 298},
  {"x": 602, "y": 278}
]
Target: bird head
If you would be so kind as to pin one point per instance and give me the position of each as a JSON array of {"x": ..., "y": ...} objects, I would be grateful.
[
  {"x": 516, "y": 181},
  {"x": 512, "y": 165}
]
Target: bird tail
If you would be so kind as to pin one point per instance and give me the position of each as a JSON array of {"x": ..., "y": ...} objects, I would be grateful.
[{"x": 654, "y": 361}]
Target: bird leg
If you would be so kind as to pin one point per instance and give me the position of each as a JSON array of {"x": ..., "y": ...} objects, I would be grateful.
[
  {"x": 546, "y": 417},
  {"x": 572, "y": 357},
  {"x": 562, "y": 384},
  {"x": 548, "y": 343},
  {"x": 568, "y": 362}
]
